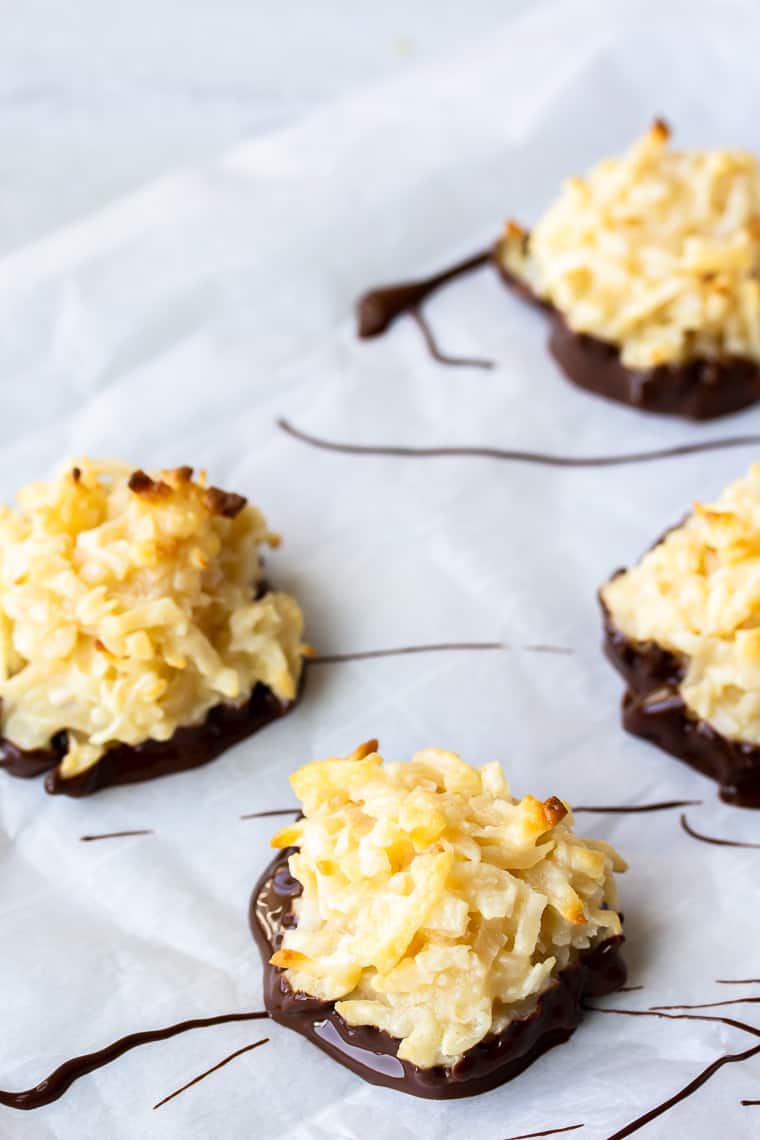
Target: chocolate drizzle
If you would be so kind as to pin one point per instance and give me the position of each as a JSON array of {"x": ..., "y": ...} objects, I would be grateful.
[
  {"x": 512, "y": 455},
  {"x": 701, "y": 1078},
  {"x": 188, "y": 747},
  {"x": 64, "y": 1076},
  {"x": 711, "y": 839},
  {"x": 271, "y": 812},
  {"x": 438, "y": 354},
  {"x": 403, "y": 651},
  {"x": 378, "y": 309},
  {"x": 115, "y": 835},
  {"x": 547, "y": 1132},
  {"x": 711, "y": 1004},
  {"x": 219, "y": 1065},
  {"x": 449, "y": 647},
  {"x": 632, "y": 809},
  {"x": 718, "y": 1019},
  {"x": 654, "y": 709},
  {"x": 372, "y": 1053}
]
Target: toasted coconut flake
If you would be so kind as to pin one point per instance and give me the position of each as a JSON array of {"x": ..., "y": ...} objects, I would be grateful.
[
  {"x": 287, "y": 836},
  {"x": 289, "y": 960},
  {"x": 363, "y": 750},
  {"x": 180, "y": 474},
  {"x": 225, "y": 503},
  {"x": 142, "y": 484},
  {"x": 554, "y": 810}
]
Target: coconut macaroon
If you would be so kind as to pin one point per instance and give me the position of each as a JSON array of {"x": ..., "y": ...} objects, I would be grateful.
[
  {"x": 656, "y": 253},
  {"x": 687, "y": 618},
  {"x": 697, "y": 595},
  {"x": 436, "y": 908},
  {"x": 683, "y": 627},
  {"x": 129, "y": 610}
]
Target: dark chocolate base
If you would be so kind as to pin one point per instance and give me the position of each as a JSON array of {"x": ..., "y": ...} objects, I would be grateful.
[
  {"x": 700, "y": 389},
  {"x": 188, "y": 747},
  {"x": 653, "y": 709},
  {"x": 371, "y": 1053}
]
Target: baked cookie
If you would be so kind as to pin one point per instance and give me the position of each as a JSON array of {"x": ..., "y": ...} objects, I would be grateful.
[
  {"x": 683, "y": 628},
  {"x": 428, "y": 930},
  {"x": 649, "y": 268},
  {"x": 137, "y": 636}
]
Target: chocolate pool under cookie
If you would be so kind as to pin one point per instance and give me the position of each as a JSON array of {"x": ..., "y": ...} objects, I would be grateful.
[
  {"x": 426, "y": 929},
  {"x": 137, "y": 636},
  {"x": 683, "y": 628}
]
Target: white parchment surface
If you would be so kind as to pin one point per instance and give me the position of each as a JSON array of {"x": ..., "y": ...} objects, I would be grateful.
[{"x": 177, "y": 327}]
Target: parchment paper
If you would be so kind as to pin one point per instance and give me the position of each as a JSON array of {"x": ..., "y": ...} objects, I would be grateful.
[{"x": 176, "y": 327}]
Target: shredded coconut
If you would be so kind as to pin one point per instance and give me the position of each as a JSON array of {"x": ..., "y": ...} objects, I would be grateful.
[
  {"x": 127, "y": 609},
  {"x": 436, "y": 906},
  {"x": 657, "y": 252},
  {"x": 697, "y": 594}
]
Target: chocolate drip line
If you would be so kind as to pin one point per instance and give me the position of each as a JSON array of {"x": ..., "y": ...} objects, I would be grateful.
[
  {"x": 403, "y": 651},
  {"x": 710, "y": 1004},
  {"x": 630, "y": 809},
  {"x": 738, "y": 981},
  {"x": 116, "y": 834},
  {"x": 701, "y": 1078},
  {"x": 747, "y": 1103},
  {"x": 686, "y": 1091},
  {"x": 714, "y": 1018},
  {"x": 442, "y": 647},
  {"x": 271, "y": 812},
  {"x": 443, "y": 357},
  {"x": 537, "y": 458},
  {"x": 711, "y": 839},
  {"x": 64, "y": 1076},
  {"x": 379, "y": 308},
  {"x": 547, "y": 1132},
  {"x": 213, "y": 1069}
]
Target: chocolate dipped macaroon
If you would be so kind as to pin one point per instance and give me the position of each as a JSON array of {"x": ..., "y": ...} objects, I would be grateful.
[
  {"x": 649, "y": 270},
  {"x": 137, "y": 636},
  {"x": 426, "y": 929},
  {"x": 683, "y": 628}
]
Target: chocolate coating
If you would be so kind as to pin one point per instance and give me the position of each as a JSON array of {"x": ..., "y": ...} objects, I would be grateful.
[
  {"x": 654, "y": 709},
  {"x": 189, "y": 747},
  {"x": 699, "y": 389},
  {"x": 371, "y": 1053}
]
